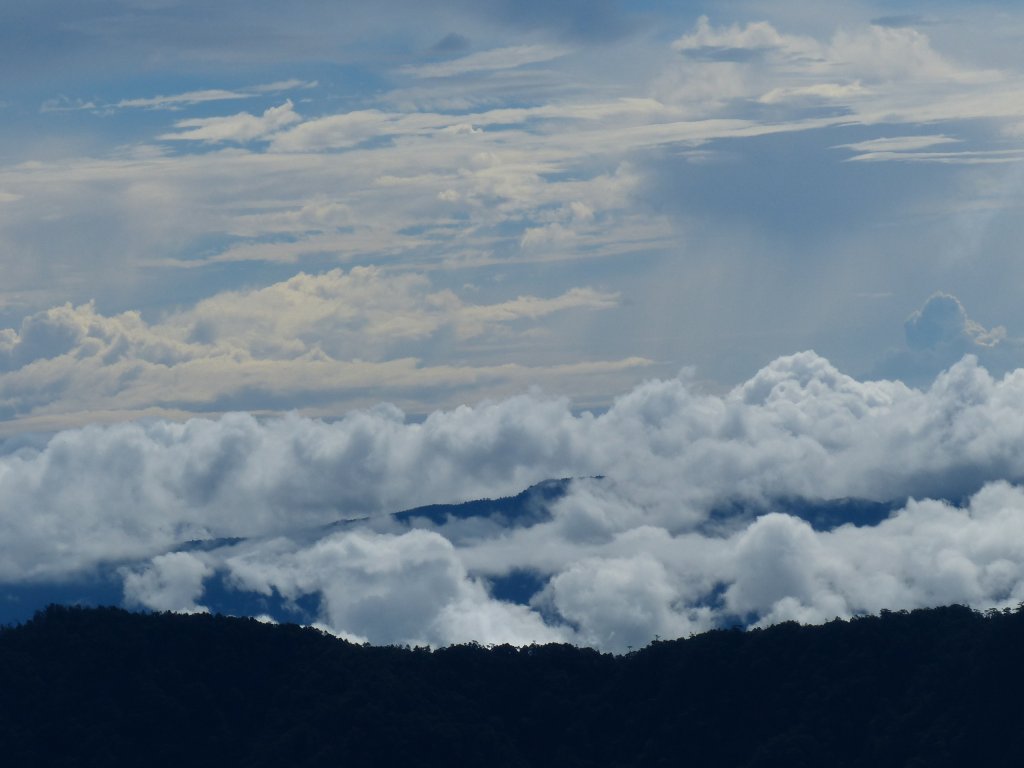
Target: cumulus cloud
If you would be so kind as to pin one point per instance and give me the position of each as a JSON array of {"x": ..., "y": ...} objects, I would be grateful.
[
  {"x": 943, "y": 321},
  {"x": 940, "y": 333},
  {"x": 695, "y": 522},
  {"x": 740, "y": 43},
  {"x": 409, "y": 588}
]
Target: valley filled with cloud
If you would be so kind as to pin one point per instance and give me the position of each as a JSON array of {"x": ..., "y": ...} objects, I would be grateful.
[{"x": 688, "y": 510}]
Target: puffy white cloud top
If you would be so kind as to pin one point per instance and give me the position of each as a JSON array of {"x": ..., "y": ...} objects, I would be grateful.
[{"x": 644, "y": 551}]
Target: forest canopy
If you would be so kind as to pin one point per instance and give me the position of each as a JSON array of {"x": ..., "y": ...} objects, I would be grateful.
[{"x": 103, "y": 686}]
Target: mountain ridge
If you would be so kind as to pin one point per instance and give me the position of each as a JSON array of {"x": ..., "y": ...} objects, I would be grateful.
[{"x": 106, "y": 686}]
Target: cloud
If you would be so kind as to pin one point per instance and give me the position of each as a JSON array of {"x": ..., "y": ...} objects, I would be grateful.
[
  {"x": 943, "y": 321},
  {"x": 333, "y": 132},
  {"x": 404, "y": 160},
  {"x": 697, "y": 521},
  {"x": 819, "y": 92},
  {"x": 239, "y": 128},
  {"x": 177, "y": 100},
  {"x": 878, "y": 73},
  {"x": 409, "y": 588},
  {"x": 887, "y": 145},
  {"x": 940, "y": 333},
  {"x": 170, "y": 582},
  {"x": 743, "y": 43},
  {"x": 488, "y": 61},
  {"x": 67, "y": 104},
  {"x": 334, "y": 335},
  {"x": 453, "y": 42},
  {"x": 520, "y": 155},
  {"x": 619, "y": 603}
]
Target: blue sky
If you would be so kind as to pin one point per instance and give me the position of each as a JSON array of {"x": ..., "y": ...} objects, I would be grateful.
[
  {"x": 491, "y": 196},
  {"x": 267, "y": 265}
]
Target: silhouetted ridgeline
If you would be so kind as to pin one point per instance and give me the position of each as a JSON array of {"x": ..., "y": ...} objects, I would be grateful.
[{"x": 104, "y": 687}]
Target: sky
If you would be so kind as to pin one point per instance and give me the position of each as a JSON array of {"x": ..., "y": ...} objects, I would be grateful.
[{"x": 266, "y": 266}]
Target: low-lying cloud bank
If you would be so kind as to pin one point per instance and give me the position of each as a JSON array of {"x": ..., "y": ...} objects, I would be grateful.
[{"x": 644, "y": 551}]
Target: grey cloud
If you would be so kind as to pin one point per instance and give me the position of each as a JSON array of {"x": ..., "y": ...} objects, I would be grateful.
[
  {"x": 453, "y": 42},
  {"x": 940, "y": 333},
  {"x": 943, "y": 321}
]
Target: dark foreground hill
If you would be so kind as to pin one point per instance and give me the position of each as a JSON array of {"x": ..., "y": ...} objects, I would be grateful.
[{"x": 104, "y": 687}]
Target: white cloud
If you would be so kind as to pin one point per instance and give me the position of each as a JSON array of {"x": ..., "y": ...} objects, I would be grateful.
[
  {"x": 178, "y": 100},
  {"x": 328, "y": 335},
  {"x": 409, "y": 589},
  {"x": 414, "y": 190},
  {"x": 729, "y": 42},
  {"x": 899, "y": 143},
  {"x": 239, "y": 128},
  {"x": 879, "y": 73},
  {"x": 488, "y": 61},
  {"x": 190, "y": 98},
  {"x": 637, "y": 554},
  {"x": 619, "y": 603},
  {"x": 282, "y": 85},
  {"x": 336, "y": 131},
  {"x": 842, "y": 92},
  {"x": 897, "y": 54},
  {"x": 171, "y": 582},
  {"x": 940, "y": 333}
]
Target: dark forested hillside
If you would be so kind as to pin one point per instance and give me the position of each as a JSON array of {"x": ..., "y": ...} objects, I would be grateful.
[{"x": 84, "y": 687}]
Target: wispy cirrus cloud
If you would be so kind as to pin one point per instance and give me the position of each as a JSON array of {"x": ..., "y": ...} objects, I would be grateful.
[
  {"x": 178, "y": 100},
  {"x": 191, "y": 98},
  {"x": 483, "y": 165},
  {"x": 488, "y": 61}
]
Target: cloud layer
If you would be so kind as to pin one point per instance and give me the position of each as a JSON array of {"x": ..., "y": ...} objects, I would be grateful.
[
  {"x": 501, "y": 148},
  {"x": 644, "y": 551},
  {"x": 312, "y": 339}
]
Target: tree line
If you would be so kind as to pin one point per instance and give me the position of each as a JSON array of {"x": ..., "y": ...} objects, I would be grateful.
[{"x": 107, "y": 687}]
